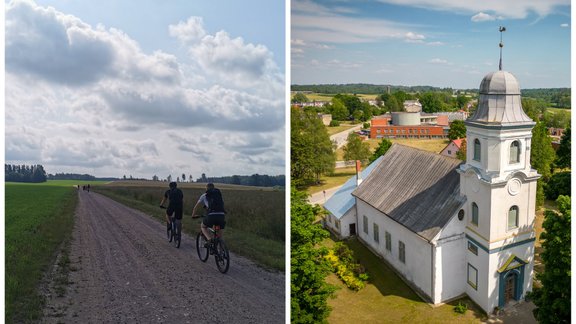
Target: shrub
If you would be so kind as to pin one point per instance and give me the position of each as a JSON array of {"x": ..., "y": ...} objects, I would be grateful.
[
  {"x": 461, "y": 308},
  {"x": 353, "y": 275},
  {"x": 366, "y": 125},
  {"x": 334, "y": 123}
]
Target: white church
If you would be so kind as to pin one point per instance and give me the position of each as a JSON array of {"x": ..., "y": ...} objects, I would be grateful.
[{"x": 450, "y": 228}]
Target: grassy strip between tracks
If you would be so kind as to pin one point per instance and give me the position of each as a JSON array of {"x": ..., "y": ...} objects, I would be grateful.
[
  {"x": 39, "y": 220},
  {"x": 255, "y": 219}
]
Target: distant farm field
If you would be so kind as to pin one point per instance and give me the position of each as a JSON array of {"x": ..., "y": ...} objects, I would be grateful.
[
  {"x": 255, "y": 217},
  {"x": 38, "y": 219}
]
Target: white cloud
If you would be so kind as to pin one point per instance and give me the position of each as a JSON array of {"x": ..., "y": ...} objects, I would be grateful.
[
  {"x": 481, "y": 17},
  {"x": 411, "y": 37},
  {"x": 564, "y": 25},
  {"x": 438, "y": 61},
  {"x": 88, "y": 99},
  {"x": 513, "y": 9}
]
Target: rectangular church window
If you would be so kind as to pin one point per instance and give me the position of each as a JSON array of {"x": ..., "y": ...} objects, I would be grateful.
[{"x": 472, "y": 276}]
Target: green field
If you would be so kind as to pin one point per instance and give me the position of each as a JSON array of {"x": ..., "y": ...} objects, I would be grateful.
[
  {"x": 39, "y": 219},
  {"x": 255, "y": 217}
]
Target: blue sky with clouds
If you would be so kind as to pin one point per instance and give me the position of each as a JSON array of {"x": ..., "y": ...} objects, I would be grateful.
[
  {"x": 145, "y": 88},
  {"x": 445, "y": 43}
]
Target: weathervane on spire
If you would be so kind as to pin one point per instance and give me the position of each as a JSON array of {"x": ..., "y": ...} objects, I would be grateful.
[{"x": 501, "y": 29}]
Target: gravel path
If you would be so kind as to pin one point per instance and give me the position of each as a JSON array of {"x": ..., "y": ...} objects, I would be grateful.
[{"x": 125, "y": 271}]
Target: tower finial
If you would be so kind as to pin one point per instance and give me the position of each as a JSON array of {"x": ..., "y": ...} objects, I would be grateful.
[{"x": 501, "y": 29}]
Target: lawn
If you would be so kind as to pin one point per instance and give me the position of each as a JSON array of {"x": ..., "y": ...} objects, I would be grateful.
[
  {"x": 338, "y": 178},
  {"x": 38, "y": 220},
  {"x": 430, "y": 145},
  {"x": 387, "y": 299},
  {"x": 337, "y": 129}
]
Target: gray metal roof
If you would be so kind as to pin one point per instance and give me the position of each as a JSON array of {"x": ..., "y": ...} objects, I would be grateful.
[
  {"x": 342, "y": 199},
  {"x": 418, "y": 189},
  {"x": 500, "y": 102}
]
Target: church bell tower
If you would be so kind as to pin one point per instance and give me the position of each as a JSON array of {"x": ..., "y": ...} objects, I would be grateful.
[{"x": 500, "y": 188}]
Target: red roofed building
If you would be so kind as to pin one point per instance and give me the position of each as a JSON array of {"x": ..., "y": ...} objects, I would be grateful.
[{"x": 452, "y": 148}]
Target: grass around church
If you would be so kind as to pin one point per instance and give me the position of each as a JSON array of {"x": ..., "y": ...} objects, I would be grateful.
[{"x": 387, "y": 299}]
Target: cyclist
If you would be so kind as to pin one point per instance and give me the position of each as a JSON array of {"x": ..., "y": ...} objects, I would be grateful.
[
  {"x": 175, "y": 205},
  {"x": 213, "y": 203}
]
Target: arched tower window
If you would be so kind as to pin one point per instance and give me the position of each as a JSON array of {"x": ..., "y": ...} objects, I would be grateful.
[
  {"x": 477, "y": 150},
  {"x": 515, "y": 152},
  {"x": 513, "y": 217},
  {"x": 474, "y": 214}
]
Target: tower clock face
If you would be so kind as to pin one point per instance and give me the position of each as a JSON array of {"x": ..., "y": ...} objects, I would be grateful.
[{"x": 514, "y": 186}]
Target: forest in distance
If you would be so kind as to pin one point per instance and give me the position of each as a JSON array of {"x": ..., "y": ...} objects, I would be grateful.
[{"x": 557, "y": 97}]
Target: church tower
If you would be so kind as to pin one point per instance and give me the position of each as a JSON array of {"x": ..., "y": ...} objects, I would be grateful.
[{"x": 500, "y": 189}]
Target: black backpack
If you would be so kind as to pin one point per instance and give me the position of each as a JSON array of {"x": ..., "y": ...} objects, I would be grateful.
[
  {"x": 215, "y": 202},
  {"x": 175, "y": 196}
]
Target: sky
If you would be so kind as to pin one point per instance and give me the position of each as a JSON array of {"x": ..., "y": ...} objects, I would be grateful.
[
  {"x": 442, "y": 43},
  {"x": 144, "y": 88}
]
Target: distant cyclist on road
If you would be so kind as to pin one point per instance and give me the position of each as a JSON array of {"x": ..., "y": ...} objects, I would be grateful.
[
  {"x": 212, "y": 201},
  {"x": 175, "y": 204}
]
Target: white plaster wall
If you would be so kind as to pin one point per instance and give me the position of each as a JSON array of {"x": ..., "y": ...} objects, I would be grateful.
[
  {"x": 418, "y": 266},
  {"x": 482, "y": 263},
  {"x": 449, "y": 274},
  {"x": 346, "y": 220}
]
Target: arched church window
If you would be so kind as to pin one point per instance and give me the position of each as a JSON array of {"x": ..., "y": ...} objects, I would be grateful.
[
  {"x": 515, "y": 152},
  {"x": 513, "y": 217},
  {"x": 474, "y": 214},
  {"x": 477, "y": 150}
]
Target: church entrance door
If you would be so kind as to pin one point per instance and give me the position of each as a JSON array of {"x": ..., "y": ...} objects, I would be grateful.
[
  {"x": 510, "y": 287},
  {"x": 352, "y": 229}
]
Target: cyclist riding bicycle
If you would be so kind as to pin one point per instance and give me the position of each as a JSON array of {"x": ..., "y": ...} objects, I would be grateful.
[
  {"x": 213, "y": 203},
  {"x": 175, "y": 204}
]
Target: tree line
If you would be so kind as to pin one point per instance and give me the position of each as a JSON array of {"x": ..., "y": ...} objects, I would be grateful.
[
  {"x": 24, "y": 173},
  {"x": 363, "y": 88},
  {"x": 256, "y": 180}
]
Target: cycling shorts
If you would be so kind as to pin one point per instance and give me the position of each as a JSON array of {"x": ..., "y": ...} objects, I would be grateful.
[
  {"x": 175, "y": 211},
  {"x": 215, "y": 219}
]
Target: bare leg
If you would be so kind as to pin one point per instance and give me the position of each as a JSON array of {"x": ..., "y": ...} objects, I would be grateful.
[{"x": 206, "y": 231}]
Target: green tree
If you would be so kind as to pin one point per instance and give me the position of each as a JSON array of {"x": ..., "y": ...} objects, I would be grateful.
[
  {"x": 457, "y": 130},
  {"x": 541, "y": 156},
  {"x": 552, "y": 300},
  {"x": 312, "y": 151},
  {"x": 564, "y": 153},
  {"x": 391, "y": 103},
  {"x": 558, "y": 185},
  {"x": 351, "y": 102},
  {"x": 299, "y": 97},
  {"x": 338, "y": 110},
  {"x": 309, "y": 291},
  {"x": 461, "y": 154},
  {"x": 356, "y": 149},
  {"x": 432, "y": 102},
  {"x": 382, "y": 148}
]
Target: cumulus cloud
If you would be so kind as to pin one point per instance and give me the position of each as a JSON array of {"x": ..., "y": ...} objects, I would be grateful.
[
  {"x": 564, "y": 25},
  {"x": 481, "y": 17},
  {"x": 85, "y": 98}
]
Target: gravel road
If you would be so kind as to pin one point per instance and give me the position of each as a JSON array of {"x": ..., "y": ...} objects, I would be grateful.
[{"x": 125, "y": 271}]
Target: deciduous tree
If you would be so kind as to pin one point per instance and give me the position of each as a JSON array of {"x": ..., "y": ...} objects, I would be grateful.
[
  {"x": 457, "y": 130},
  {"x": 309, "y": 291},
  {"x": 382, "y": 148},
  {"x": 552, "y": 300},
  {"x": 356, "y": 149},
  {"x": 564, "y": 153}
]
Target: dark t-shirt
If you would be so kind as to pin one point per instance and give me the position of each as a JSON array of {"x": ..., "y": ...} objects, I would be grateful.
[{"x": 175, "y": 196}]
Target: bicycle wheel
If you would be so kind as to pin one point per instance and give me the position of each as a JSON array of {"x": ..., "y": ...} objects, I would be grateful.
[
  {"x": 222, "y": 256},
  {"x": 200, "y": 247},
  {"x": 177, "y": 234}
]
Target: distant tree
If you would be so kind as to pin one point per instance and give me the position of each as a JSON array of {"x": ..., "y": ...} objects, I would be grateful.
[
  {"x": 358, "y": 115},
  {"x": 457, "y": 130},
  {"x": 366, "y": 126},
  {"x": 461, "y": 101},
  {"x": 461, "y": 153},
  {"x": 564, "y": 152},
  {"x": 356, "y": 149},
  {"x": 312, "y": 152},
  {"x": 299, "y": 97},
  {"x": 552, "y": 300},
  {"x": 382, "y": 148},
  {"x": 351, "y": 102},
  {"x": 432, "y": 102},
  {"x": 183, "y": 177},
  {"x": 169, "y": 178},
  {"x": 154, "y": 178},
  {"x": 391, "y": 103},
  {"x": 367, "y": 111},
  {"x": 534, "y": 108},
  {"x": 309, "y": 291}
]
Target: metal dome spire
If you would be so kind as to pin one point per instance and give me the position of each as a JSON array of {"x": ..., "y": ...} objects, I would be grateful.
[{"x": 501, "y": 29}]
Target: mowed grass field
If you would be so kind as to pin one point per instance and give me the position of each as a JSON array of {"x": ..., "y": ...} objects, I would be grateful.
[
  {"x": 387, "y": 299},
  {"x": 255, "y": 220},
  {"x": 38, "y": 221}
]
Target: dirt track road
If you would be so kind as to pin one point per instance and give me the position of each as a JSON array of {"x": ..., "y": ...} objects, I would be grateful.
[{"x": 127, "y": 272}]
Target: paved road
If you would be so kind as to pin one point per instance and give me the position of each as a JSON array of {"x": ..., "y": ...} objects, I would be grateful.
[
  {"x": 321, "y": 197},
  {"x": 125, "y": 271},
  {"x": 342, "y": 137}
]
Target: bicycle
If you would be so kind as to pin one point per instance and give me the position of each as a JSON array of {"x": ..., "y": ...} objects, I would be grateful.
[
  {"x": 174, "y": 231},
  {"x": 215, "y": 246}
]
